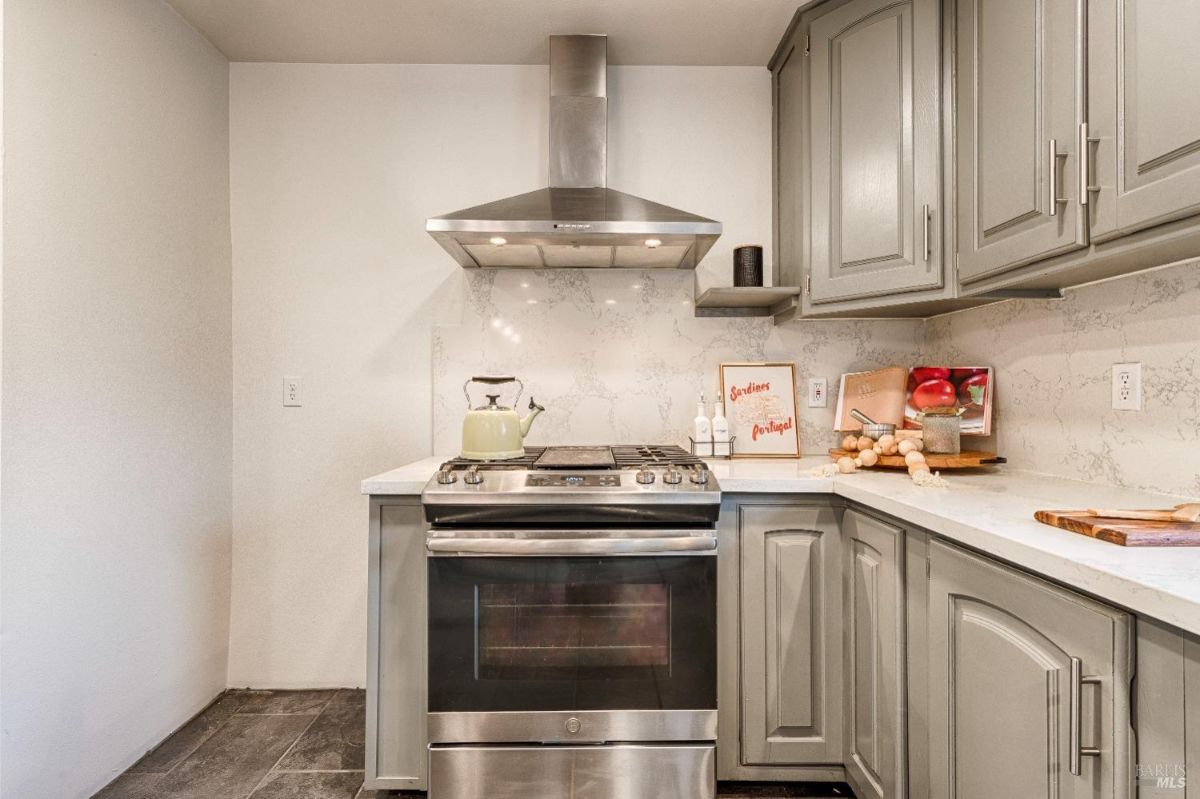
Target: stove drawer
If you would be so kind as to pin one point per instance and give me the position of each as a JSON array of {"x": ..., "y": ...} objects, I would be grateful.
[{"x": 681, "y": 771}]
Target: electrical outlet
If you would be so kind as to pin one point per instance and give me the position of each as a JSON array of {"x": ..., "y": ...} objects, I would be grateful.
[
  {"x": 818, "y": 393},
  {"x": 291, "y": 392},
  {"x": 1127, "y": 386}
]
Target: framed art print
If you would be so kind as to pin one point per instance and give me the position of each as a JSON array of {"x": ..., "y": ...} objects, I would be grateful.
[{"x": 760, "y": 403}]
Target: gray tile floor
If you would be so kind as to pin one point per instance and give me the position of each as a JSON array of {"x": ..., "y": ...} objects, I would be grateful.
[{"x": 295, "y": 745}]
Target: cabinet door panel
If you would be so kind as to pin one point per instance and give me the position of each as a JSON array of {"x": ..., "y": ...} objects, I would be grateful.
[
  {"x": 874, "y": 147},
  {"x": 875, "y": 652},
  {"x": 1001, "y": 645},
  {"x": 1144, "y": 104},
  {"x": 790, "y": 645},
  {"x": 397, "y": 691},
  {"x": 1019, "y": 89}
]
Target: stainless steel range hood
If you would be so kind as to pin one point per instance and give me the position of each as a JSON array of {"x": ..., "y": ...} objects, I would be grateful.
[{"x": 577, "y": 221}]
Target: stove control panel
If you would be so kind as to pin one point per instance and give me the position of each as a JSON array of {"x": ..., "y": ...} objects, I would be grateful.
[{"x": 572, "y": 480}]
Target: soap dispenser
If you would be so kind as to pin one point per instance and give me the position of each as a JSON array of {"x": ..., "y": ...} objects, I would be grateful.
[{"x": 702, "y": 431}]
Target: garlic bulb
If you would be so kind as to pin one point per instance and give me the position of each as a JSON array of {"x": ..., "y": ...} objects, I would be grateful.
[
  {"x": 845, "y": 465},
  {"x": 865, "y": 442},
  {"x": 850, "y": 443},
  {"x": 868, "y": 457},
  {"x": 914, "y": 458}
]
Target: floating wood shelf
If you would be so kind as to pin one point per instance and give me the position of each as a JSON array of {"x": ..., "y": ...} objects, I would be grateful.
[{"x": 747, "y": 300}]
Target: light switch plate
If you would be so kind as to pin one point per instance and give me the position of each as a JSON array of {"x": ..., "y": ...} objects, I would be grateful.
[
  {"x": 818, "y": 393},
  {"x": 1127, "y": 386}
]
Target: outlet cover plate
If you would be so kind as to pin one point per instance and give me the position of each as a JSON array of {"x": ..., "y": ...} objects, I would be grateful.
[
  {"x": 818, "y": 393},
  {"x": 292, "y": 392},
  {"x": 1127, "y": 386}
]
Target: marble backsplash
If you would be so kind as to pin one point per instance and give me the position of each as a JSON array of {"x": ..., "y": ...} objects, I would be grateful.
[
  {"x": 619, "y": 357},
  {"x": 1053, "y": 362}
]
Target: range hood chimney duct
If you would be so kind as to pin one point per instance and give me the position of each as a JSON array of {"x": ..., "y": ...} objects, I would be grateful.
[{"x": 578, "y": 112}]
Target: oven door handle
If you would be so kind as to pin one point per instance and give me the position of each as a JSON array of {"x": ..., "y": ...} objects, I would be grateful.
[{"x": 549, "y": 547}]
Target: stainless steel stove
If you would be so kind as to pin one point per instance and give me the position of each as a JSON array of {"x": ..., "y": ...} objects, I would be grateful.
[
  {"x": 572, "y": 625},
  {"x": 625, "y": 484}
]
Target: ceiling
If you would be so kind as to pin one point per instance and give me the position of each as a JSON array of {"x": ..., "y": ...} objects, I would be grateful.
[{"x": 676, "y": 32}]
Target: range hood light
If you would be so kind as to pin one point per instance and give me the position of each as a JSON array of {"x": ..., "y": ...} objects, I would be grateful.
[
  {"x": 499, "y": 241},
  {"x": 652, "y": 243}
]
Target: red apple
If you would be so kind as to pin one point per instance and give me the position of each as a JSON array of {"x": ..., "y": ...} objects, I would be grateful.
[
  {"x": 922, "y": 373},
  {"x": 977, "y": 382},
  {"x": 936, "y": 393},
  {"x": 959, "y": 375}
]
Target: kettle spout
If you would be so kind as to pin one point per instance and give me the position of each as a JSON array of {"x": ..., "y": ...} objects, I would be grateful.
[{"x": 534, "y": 410}]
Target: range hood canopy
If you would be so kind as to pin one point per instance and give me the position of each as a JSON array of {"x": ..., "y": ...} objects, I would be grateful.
[{"x": 577, "y": 221}]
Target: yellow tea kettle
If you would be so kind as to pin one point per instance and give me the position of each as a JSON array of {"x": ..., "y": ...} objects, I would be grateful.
[{"x": 491, "y": 431}]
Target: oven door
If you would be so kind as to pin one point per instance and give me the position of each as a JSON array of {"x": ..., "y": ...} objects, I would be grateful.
[{"x": 570, "y": 636}]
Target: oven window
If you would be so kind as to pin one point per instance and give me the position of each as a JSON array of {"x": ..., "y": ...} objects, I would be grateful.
[
  {"x": 561, "y": 630},
  {"x": 578, "y": 633}
]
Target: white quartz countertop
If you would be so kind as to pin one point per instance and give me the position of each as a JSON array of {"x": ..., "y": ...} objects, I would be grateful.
[{"x": 991, "y": 511}]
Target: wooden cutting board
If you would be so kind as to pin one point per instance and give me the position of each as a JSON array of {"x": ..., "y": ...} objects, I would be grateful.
[
  {"x": 1126, "y": 532},
  {"x": 967, "y": 459}
]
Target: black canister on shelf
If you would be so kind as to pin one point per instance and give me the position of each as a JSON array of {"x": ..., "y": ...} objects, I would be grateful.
[{"x": 748, "y": 265}]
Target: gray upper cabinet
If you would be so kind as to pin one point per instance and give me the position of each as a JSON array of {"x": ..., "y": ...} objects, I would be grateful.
[
  {"x": 874, "y": 144},
  {"x": 791, "y": 663},
  {"x": 1019, "y": 96},
  {"x": 1144, "y": 109},
  {"x": 788, "y": 84},
  {"x": 873, "y": 618},
  {"x": 1029, "y": 686}
]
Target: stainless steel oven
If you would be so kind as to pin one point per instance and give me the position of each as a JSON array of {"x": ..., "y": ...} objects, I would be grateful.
[{"x": 572, "y": 663}]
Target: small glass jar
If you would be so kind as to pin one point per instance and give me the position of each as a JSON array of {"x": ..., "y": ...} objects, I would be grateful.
[{"x": 942, "y": 429}]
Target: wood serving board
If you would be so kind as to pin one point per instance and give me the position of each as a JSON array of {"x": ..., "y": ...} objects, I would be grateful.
[
  {"x": 1125, "y": 532},
  {"x": 967, "y": 459}
]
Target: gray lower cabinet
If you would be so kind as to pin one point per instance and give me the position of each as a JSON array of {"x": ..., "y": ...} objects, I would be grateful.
[
  {"x": 1028, "y": 685},
  {"x": 1144, "y": 110},
  {"x": 791, "y": 636},
  {"x": 1019, "y": 96},
  {"x": 396, "y": 744},
  {"x": 1167, "y": 712},
  {"x": 874, "y": 143},
  {"x": 873, "y": 613}
]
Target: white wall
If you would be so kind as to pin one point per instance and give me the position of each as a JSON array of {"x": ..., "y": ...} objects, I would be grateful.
[
  {"x": 116, "y": 384},
  {"x": 334, "y": 170}
]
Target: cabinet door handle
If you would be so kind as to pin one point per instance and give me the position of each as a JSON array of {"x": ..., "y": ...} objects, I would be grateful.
[
  {"x": 1085, "y": 164},
  {"x": 1075, "y": 737},
  {"x": 1055, "y": 200},
  {"x": 925, "y": 230}
]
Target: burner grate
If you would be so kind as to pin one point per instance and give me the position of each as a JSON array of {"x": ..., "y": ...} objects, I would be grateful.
[
  {"x": 626, "y": 456},
  {"x": 637, "y": 455}
]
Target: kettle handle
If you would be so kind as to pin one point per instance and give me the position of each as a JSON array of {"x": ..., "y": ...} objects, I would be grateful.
[{"x": 494, "y": 381}]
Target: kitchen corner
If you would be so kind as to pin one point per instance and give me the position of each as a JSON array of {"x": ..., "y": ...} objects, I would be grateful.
[{"x": 803, "y": 399}]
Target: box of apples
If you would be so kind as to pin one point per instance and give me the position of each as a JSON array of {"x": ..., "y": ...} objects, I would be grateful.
[{"x": 966, "y": 387}]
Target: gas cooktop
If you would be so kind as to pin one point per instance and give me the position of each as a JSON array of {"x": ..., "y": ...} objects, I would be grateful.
[
  {"x": 621, "y": 456},
  {"x": 624, "y": 483}
]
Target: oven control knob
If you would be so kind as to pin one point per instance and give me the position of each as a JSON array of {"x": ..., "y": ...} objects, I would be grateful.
[
  {"x": 573, "y": 725},
  {"x": 446, "y": 476},
  {"x": 644, "y": 476},
  {"x": 473, "y": 477},
  {"x": 672, "y": 475},
  {"x": 700, "y": 476}
]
